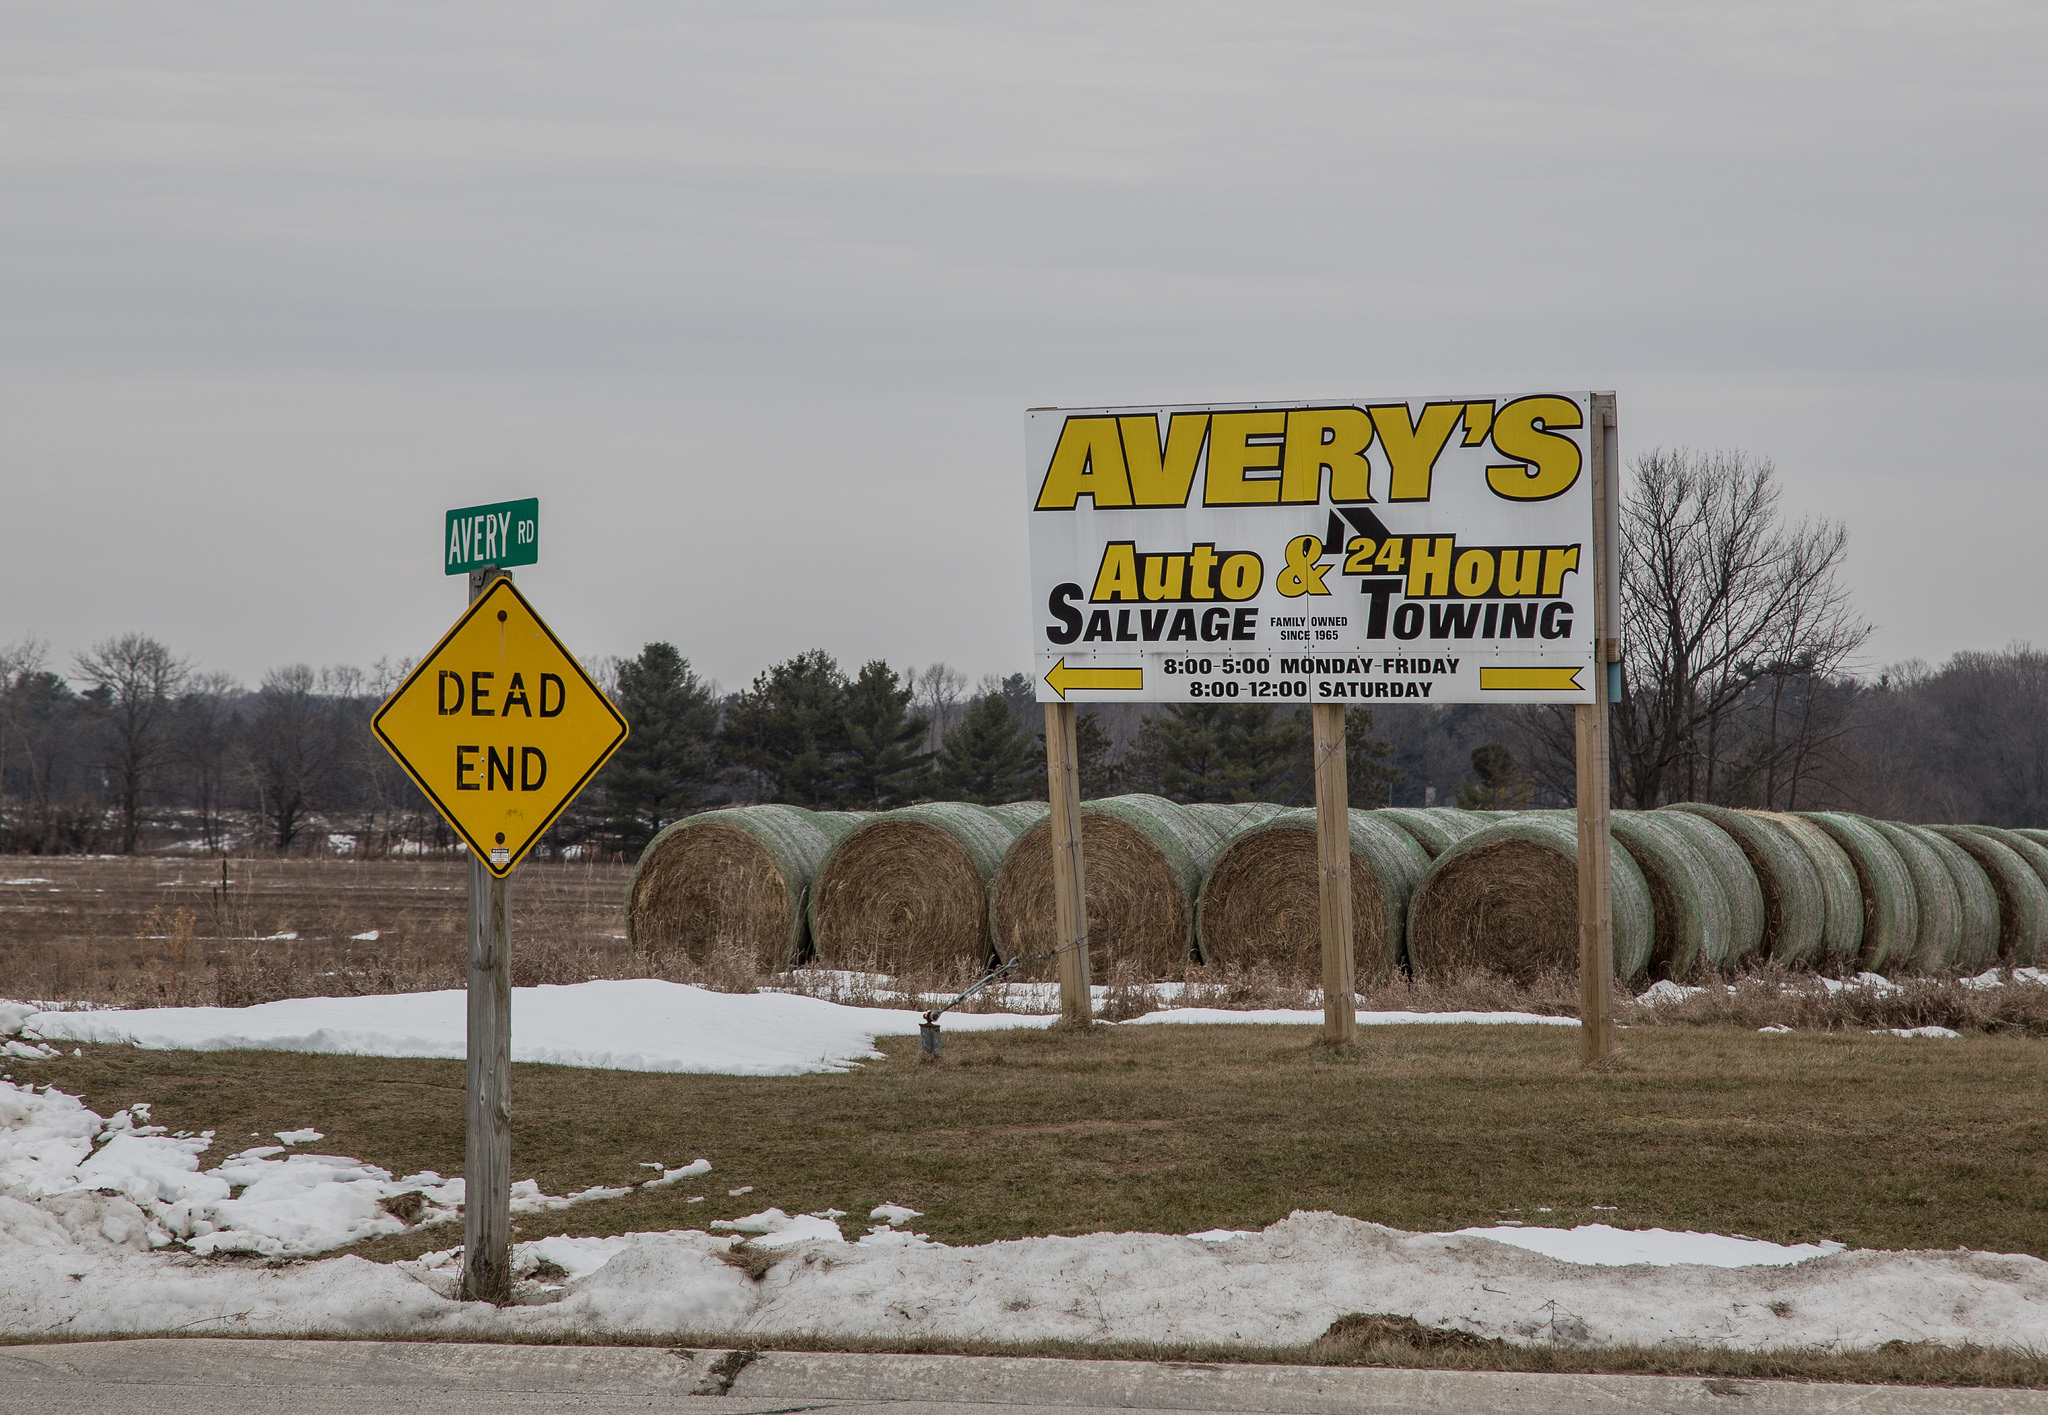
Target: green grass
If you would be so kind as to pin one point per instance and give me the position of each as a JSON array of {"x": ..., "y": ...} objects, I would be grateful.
[{"x": 1875, "y": 1141}]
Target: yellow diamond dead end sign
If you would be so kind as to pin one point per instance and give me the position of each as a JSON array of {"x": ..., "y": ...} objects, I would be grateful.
[{"x": 500, "y": 726}]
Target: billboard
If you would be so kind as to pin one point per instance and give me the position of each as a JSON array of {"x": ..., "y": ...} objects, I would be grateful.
[{"x": 1414, "y": 550}]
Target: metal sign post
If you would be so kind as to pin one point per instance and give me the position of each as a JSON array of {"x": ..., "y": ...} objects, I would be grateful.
[{"x": 500, "y": 727}]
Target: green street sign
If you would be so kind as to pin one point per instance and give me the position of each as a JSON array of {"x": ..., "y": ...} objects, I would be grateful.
[{"x": 503, "y": 533}]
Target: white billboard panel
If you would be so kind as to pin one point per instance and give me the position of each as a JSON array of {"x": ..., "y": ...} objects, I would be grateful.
[{"x": 1420, "y": 550}]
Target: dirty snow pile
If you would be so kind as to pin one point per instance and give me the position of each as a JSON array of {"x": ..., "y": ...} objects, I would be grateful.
[
  {"x": 1282, "y": 1286},
  {"x": 623, "y": 1025},
  {"x": 122, "y": 1181}
]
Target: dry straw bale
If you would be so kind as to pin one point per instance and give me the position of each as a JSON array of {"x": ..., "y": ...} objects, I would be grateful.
[
  {"x": 1795, "y": 911},
  {"x": 1435, "y": 830},
  {"x": 907, "y": 892},
  {"x": 1506, "y": 900},
  {"x": 1891, "y": 908},
  {"x": 1694, "y": 921},
  {"x": 2018, "y": 869},
  {"x": 1977, "y": 937},
  {"x": 1262, "y": 899},
  {"x": 1142, "y": 863},
  {"x": 730, "y": 878},
  {"x": 1738, "y": 881},
  {"x": 1841, "y": 941},
  {"x": 1939, "y": 940}
]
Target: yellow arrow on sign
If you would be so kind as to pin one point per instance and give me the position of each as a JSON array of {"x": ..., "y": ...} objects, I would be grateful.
[
  {"x": 1063, "y": 678},
  {"x": 1563, "y": 680}
]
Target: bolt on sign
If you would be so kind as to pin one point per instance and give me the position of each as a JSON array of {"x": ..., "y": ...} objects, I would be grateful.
[
  {"x": 500, "y": 726},
  {"x": 505, "y": 534},
  {"x": 1420, "y": 550}
]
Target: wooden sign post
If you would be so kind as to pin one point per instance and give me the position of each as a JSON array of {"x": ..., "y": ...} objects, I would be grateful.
[
  {"x": 1596, "y": 890},
  {"x": 487, "y": 1081},
  {"x": 1069, "y": 882},
  {"x": 500, "y": 727},
  {"x": 1333, "y": 859}
]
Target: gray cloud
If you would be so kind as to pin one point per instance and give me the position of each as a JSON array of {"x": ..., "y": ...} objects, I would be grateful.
[{"x": 753, "y": 297}]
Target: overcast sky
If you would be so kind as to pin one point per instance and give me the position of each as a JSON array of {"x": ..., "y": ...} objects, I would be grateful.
[{"x": 753, "y": 297}]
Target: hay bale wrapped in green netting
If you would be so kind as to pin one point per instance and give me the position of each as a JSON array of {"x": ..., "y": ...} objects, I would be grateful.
[
  {"x": 1262, "y": 899},
  {"x": 907, "y": 891},
  {"x": 1977, "y": 931},
  {"x": 1506, "y": 900},
  {"x": 1025, "y": 813},
  {"x": 1891, "y": 908},
  {"x": 1841, "y": 940},
  {"x": 1434, "y": 830},
  {"x": 1227, "y": 820},
  {"x": 1143, "y": 858},
  {"x": 1694, "y": 921},
  {"x": 1745, "y": 892},
  {"x": 1939, "y": 938},
  {"x": 1795, "y": 911},
  {"x": 2018, "y": 870},
  {"x": 737, "y": 877}
]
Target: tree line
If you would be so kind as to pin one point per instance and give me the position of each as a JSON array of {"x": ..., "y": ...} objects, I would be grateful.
[{"x": 1741, "y": 686}]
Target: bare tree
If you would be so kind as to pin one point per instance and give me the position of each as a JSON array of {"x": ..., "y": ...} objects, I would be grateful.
[
  {"x": 204, "y": 731},
  {"x": 936, "y": 692},
  {"x": 134, "y": 680},
  {"x": 1736, "y": 634},
  {"x": 294, "y": 746}
]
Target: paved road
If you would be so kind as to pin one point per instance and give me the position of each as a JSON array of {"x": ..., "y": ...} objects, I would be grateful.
[{"x": 225, "y": 1377}]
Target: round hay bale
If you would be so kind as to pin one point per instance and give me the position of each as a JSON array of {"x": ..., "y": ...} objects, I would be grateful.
[
  {"x": 1694, "y": 923},
  {"x": 906, "y": 891},
  {"x": 1434, "y": 830},
  {"x": 1841, "y": 939},
  {"x": 1506, "y": 900},
  {"x": 1262, "y": 898},
  {"x": 1142, "y": 863},
  {"x": 2018, "y": 869},
  {"x": 1977, "y": 933},
  {"x": 1794, "y": 908},
  {"x": 1226, "y": 822},
  {"x": 1891, "y": 908},
  {"x": 1738, "y": 881},
  {"x": 730, "y": 878},
  {"x": 1025, "y": 813},
  {"x": 1939, "y": 938}
]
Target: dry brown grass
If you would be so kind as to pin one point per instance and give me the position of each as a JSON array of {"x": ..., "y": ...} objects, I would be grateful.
[
  {"x": 1776, "y": 997},
  {"x": 145, "y": 931},
  {"x": 1872, "y": 1140}
]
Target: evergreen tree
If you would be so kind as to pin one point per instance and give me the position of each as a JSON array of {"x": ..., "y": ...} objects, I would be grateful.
[
  {"x": 1501, "y": 783},
  {"x": 663, "y": 769},
  {"x": 788, "y": 728},
  {"x": 1369, "y": 771},
  {"x": 1197, "y": 752},
  {"x": 880, "y": 765},
  {"x": 989, "y": 758},
  {"x": 1100, "y": 776}
]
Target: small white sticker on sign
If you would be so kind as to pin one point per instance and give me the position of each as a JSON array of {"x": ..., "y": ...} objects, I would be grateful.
[{"x": 500, "y": 855}]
